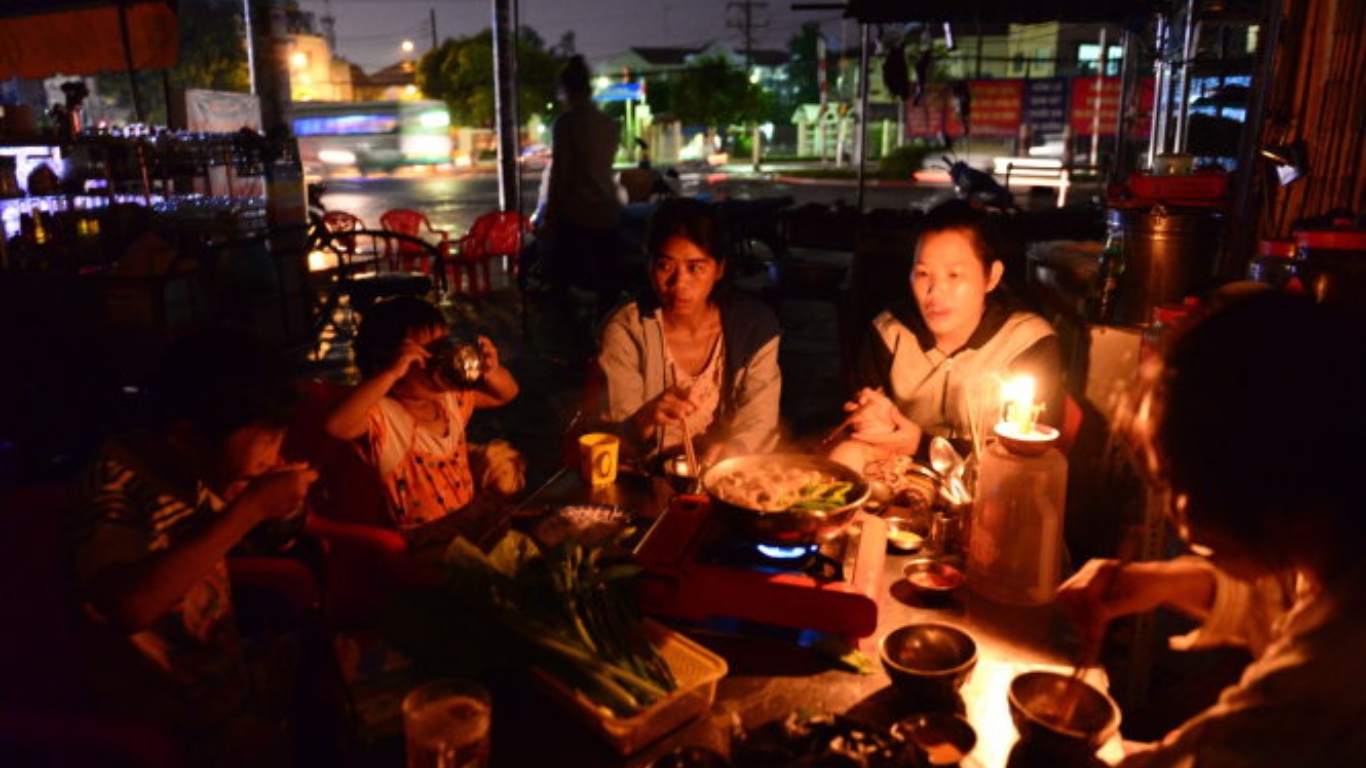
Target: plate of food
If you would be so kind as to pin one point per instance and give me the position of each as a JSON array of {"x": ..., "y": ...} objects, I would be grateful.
[
  {"x": 587, "y": 523},
  {"x": 904, "y": 481}
]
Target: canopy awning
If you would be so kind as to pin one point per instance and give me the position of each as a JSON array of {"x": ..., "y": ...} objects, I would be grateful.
[{"x": 42, "y": 38}]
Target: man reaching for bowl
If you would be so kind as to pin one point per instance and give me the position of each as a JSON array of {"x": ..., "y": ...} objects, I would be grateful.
[{"x": 1277, "y": 560}]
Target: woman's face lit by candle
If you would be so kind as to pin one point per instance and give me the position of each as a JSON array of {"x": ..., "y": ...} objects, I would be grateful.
[{"x": 950, "y": 283}]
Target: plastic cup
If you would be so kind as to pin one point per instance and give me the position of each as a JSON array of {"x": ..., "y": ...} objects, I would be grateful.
[
  {"x": 598, "y": 452},
  {"x": 447, "y": 724}
]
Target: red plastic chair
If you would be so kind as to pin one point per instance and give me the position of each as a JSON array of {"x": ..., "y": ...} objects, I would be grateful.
[
  {"x": 365, "y": 558},
  {"x": 1072, "y": 417},
  {"x": 497, "y": 234},
  {"x": 340, "y": 223},
  {"x": 405, "y": 221}
]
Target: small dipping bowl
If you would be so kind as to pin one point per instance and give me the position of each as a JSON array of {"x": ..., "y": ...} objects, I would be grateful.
[
  {"x": 931, "y": 577},
  {"x": 682, "y": 475},
  {"x": 902, "y": 537},
  {"x": 1036, "y": 701},
  {"x": 928, "y": 661},
  {"x": 939, "y": 738}
]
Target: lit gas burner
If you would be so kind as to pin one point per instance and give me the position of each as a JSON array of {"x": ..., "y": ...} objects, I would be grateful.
[
  {"x": 784, "y": 553},
  {"x": 695, "y": 569}
]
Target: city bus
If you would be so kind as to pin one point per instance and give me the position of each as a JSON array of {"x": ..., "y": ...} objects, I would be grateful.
[{"x": 371, "y": 136}]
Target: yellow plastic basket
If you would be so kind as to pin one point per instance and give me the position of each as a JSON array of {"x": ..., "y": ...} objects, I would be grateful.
[{"x": 697, "y": 671}]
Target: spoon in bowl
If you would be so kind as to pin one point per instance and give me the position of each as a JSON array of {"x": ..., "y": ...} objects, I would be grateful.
[{"x": 945, "y": 460}]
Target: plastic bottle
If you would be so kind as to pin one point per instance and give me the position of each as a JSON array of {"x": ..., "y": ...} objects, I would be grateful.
[
  {"x": 1015, "y": 551},
  {"x": 1112, "y": 261}
]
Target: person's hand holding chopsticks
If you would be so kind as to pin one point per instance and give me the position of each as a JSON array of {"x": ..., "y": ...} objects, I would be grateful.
[{"x": 1106, "y": 589}]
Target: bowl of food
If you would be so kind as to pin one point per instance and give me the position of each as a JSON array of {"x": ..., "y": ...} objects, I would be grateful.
[
  {"x": 930, "y": 661},
  {"x": 681, "y": 473},
  {"x": 901, "y": 482},
  {"x": 785, "y": 499},
  {"x": 1061, "y": 714},
  {"x": 903, "y": 535},
  {"x": 938, "y": 738},
  {"x": 932, "y": 576}
]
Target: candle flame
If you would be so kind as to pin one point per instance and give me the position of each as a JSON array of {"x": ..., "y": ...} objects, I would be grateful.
[{"x": 1018, "y": 403}]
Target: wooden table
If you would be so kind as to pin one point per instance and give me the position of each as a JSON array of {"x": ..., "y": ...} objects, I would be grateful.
[{"x": 769, "y": 679}]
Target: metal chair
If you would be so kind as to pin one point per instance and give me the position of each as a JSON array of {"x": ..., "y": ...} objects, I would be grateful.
[
  {"x": 363, "y": 274},
  {"x": 413, "y": 224}
]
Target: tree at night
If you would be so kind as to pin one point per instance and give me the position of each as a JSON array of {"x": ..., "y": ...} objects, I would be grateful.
[
  {"x": 460, "y": 73},
  {"x": 714, "y": 93}
]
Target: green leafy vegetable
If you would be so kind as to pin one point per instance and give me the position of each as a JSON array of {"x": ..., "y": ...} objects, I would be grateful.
[
  {"x": 571, "y": 610},
  {"x": 823, "y": 497}
]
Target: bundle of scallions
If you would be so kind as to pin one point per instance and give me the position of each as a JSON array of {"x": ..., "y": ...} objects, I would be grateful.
[{"x": 573, "y": 608}]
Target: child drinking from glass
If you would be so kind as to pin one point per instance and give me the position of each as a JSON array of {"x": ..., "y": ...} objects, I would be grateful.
[{"x": 410, "y": 422}]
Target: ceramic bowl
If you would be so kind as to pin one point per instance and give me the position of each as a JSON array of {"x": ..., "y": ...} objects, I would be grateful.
[
  {"x": 932, "y": 577},
  {"x": 929, "y": 659},
  {"x": 1061, "y": 714},
  {"x": 939, "y": 738}
]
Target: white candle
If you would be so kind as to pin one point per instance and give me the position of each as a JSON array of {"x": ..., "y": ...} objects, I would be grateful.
[{"x": 1018, "y": 406}]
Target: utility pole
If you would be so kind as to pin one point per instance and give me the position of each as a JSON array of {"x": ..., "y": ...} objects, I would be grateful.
[
  {"x": 505, "y": 103},
  {"x": 744, "y": 20},
  {"x": 432, "y": 12}
]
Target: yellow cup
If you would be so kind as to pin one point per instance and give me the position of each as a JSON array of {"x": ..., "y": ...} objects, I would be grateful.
[{"x": 598, "y": 457}]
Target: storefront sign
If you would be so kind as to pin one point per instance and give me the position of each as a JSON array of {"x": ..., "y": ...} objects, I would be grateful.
[
  {"x": 996, "y": 107},
  {"x": 1083, "y": 108},
  {"x": 1045, "y": 104}
]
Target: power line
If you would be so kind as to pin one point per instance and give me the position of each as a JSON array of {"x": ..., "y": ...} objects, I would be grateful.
[{"x": 746, "y": 22}]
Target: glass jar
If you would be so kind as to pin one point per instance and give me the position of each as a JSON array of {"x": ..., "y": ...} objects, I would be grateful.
[
  {"x": 456, "y": 363},
  {"x": 1274, "y": 263},
  {"x": 1015, "y": 550}
]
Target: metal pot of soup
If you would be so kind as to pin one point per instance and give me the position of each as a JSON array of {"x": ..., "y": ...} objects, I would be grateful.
[{"x": 785, "y": 499}]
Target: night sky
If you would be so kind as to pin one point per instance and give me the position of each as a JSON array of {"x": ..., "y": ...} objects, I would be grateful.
[{"x": 370, "y": 32}]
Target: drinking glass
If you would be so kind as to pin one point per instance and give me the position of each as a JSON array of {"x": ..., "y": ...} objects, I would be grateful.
[{"x": 447, "y": 724}]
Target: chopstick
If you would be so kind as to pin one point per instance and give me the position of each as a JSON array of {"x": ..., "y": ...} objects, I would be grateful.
[
  {"x": 837, "y": 431},
  {"x": 687, "y": 433},
  {"x": 688, "y": 449},
  {"x": 1090, "y": 652}
]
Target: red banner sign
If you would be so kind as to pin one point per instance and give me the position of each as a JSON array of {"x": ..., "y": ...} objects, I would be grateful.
[
  {"x": 1084, "y": 102},
  {"x": 997, "y": 107}
]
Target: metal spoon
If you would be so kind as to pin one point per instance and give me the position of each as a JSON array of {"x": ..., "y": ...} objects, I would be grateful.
[{"x": 943, "y": 457}]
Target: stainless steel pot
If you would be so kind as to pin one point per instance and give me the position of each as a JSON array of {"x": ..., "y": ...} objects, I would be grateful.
[{"x": 793, "y": 527}]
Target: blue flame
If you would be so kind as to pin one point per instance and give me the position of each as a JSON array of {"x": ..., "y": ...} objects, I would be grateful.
[{"x": 786, "y": 553}]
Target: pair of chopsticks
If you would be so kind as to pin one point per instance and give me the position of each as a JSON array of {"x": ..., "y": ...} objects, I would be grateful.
[
  {"x": 1090, "y": 652},
  {"x": 688, "y": 449},
  {"x": 693, "y": 466}
]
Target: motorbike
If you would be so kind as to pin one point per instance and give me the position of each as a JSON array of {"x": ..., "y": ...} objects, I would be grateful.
[{"x": 977, "y": 185}]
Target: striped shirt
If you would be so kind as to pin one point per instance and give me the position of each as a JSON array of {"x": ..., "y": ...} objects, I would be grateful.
[{"x": 187, "y": 666}]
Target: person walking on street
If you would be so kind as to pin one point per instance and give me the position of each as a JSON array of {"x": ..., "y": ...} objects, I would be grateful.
[{"x": 582, "y": 212}]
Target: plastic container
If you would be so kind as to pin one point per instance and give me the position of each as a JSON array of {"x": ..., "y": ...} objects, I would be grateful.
[
  {"x": 1332, "y": 264},
  {"x": 697, "y": 671},
  {"x": 1192, "y": 188},
  {"x": 1169, "y": 254},
  {"x": 1274, "y": 263},
  {"x": 1016, "y": 549}
]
